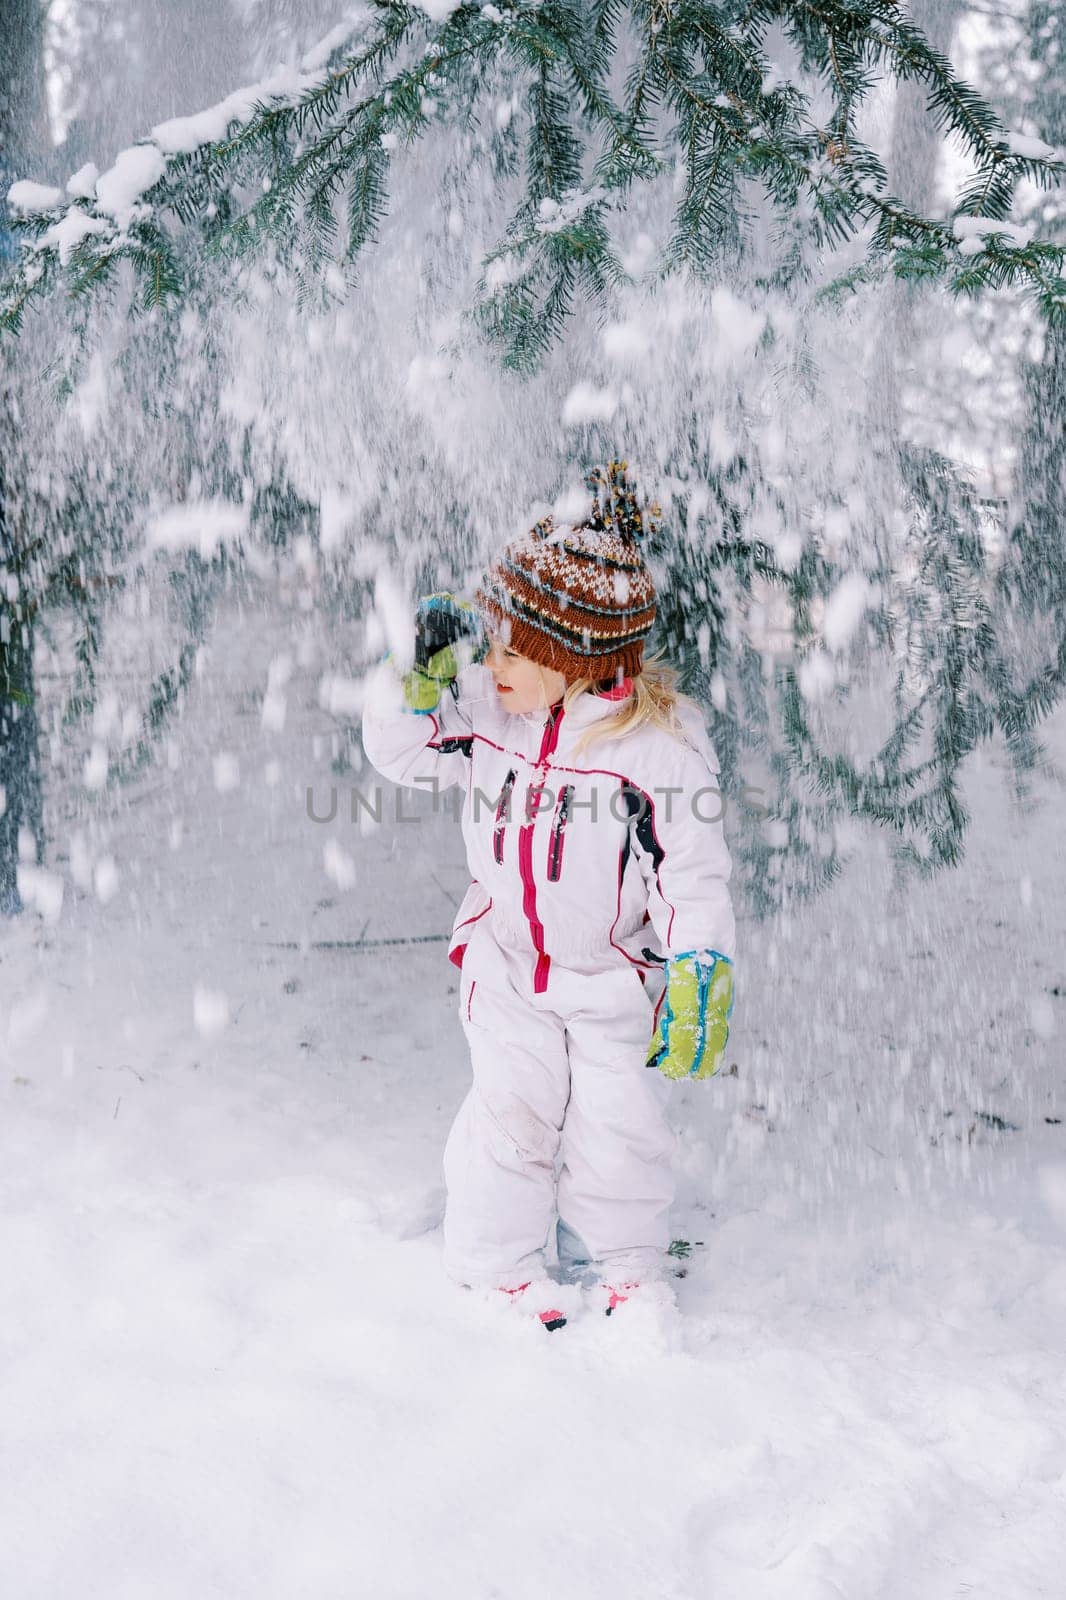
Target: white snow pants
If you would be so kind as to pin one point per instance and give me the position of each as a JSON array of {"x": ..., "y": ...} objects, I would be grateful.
[{"x": 558, "y": 1073}]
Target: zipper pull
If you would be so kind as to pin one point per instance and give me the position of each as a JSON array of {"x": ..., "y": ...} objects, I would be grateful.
[
  {"x": 503, "y": 815},
  {"x": 555, "y": 842}
]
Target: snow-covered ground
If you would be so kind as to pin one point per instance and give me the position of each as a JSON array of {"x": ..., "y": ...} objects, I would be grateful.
[{"x": 230, "y": 1365}]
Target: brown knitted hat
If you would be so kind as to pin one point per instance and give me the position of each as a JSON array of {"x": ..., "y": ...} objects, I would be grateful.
[{"x": 579, "y": 599}]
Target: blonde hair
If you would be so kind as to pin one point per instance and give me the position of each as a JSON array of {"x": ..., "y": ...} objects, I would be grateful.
[{"x": 656, "y": 699}]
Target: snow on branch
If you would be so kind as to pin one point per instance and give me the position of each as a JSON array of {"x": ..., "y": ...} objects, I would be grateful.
[{"x": 304, "y": 155}]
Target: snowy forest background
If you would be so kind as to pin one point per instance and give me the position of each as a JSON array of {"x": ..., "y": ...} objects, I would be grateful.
[{"x": 228, "y": 1047}]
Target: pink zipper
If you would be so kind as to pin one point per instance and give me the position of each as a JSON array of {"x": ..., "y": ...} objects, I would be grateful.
[{"x": 548, "y": 743}]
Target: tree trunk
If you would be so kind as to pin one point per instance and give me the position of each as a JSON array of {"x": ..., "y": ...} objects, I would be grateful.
[
  {"x": 1038, "y": 536},
  {"x": 25, "y": 146},
  {"x": 912, "y": 171}
]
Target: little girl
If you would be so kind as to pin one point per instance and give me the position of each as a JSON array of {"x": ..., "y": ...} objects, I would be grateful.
[{"x": 596, "y": 939}]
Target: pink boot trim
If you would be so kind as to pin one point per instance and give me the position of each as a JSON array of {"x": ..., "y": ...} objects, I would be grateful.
[
  {"x": 617, "y": 1298},
  {"x": 551, "y": 1319}
]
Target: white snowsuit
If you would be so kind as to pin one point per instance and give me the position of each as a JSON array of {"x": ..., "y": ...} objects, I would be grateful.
[{"x": 587, "y": 869}]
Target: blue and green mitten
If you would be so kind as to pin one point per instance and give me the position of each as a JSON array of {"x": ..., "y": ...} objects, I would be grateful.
[
  {"x": 449, "y": 634},
  {"x": 697, "y": 1004}
]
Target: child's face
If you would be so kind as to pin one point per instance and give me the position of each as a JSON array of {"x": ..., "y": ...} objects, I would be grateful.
[{"x": 522, "y": 685}]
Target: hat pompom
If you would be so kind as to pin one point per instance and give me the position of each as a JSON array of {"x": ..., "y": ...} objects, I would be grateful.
[{"x": 615, "y": 506}]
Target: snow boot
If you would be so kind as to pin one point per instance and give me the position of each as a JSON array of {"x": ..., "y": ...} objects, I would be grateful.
[
  {"x": 550, "y": 1316},
  {"x": 617, "y": 1296},
  {"x": 650, "y": 1291}
]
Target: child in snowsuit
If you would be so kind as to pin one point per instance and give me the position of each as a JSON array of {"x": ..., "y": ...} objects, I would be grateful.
[{"x": 596, "y": 939}]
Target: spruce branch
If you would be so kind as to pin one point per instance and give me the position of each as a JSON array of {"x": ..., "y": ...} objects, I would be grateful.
[{"x": 702, "y": 82}]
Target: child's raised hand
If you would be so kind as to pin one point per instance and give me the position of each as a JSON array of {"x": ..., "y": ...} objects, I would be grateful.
[
  {"x": 449, "y": 635},
  {"x": 693, "y": 1029},
  {"x": 443, "y": 622}
]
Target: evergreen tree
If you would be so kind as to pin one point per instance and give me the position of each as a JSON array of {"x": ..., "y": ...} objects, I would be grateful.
[
  {"x": 578, "y": 116},
  {"x": 71, "y": 533}
]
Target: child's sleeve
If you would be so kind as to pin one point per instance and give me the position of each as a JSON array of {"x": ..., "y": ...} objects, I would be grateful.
[
  {"x": 680, "y": 841},
  {"x": 412, "y": 747}
]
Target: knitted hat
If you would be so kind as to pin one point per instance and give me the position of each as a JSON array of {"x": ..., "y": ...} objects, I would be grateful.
[{"x": 579, "y": 599}]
